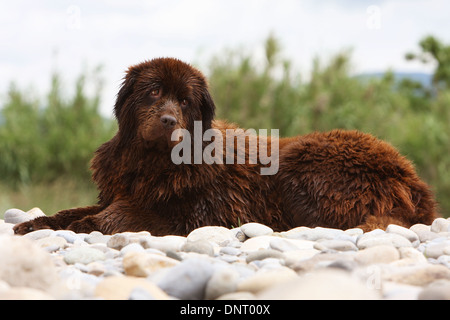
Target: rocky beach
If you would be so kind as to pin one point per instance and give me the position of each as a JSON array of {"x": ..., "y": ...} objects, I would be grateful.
[{"x": 249, "y": 262}]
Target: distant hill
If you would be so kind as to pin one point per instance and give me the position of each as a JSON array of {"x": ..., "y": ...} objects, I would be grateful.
[{"x": 424, "y": 78}]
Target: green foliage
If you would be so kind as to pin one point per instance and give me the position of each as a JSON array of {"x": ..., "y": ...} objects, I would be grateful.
[
  {"x": 42, "y": 142},
  {"x": 434, "y": 51},
  {"x": 272, "y": 95}
]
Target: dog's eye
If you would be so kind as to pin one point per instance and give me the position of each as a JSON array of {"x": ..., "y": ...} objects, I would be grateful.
[
  {"x": 155, "y": 92},
  {"x": 184, "y": 103}
]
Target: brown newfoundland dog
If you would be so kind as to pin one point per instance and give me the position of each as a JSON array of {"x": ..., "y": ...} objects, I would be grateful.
[{"x": 338, "y": 179}]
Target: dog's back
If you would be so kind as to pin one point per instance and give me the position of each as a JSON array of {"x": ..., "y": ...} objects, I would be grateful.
[{"x": 344, "y": 179}]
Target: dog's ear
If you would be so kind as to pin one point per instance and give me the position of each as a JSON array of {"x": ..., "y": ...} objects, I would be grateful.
[
  {"x": 125, "y": 90},
  {"x": 208, "y": 109},
  {"x": 125, "y": 114}
]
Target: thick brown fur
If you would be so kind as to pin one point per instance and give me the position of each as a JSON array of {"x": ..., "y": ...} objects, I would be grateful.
[{"x": 338, "y": 179}]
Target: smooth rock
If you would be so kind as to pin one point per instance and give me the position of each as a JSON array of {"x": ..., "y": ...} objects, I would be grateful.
[
  {"x": 295, "y": 233},
  {"x": 293, "y": 257},
  {"x": 118, "y": 241},
  {"x": 230, "y": 251},
  {"x": 370, "y": 240},
  {"x": 53, "y": 241},
  {"x": 121, "y": 287},
  {"x": 35, "y": 212},
  {"x": 264, "y": 254},
  {"x": 6, "y": 228},
  {"x": 199, "y": 246},
  {"x": 284, "y": 245},
  {"x": 68, "y": 235},
  {"x": 223, "y": 281},
  {"x": 238, "y": 234},
  {"x": 132, "y": 247},
  {"x": 435, "y": 250},
  {"x": 354, "y": 232},
  {"x": 338, "y": 245},
  {"x": 440, "y": 225},
  {"x": 23, "y": 293},
  {"x": 264, "y": 279},
  {"x": 419, "y": 275},
  {"x": 16, "y": 216},
  {"x": 240, "y": 295},
  {"x": 377, "y": 254},
  {"x": 438, "y": 290},
  {"x": 142, "y": 264},
  {"x": 38, "y": 234},
  {"x": 97, "y": 237},
  {"x": 24, "y": 264},
  {"x": 328, "y": 284},
  {"x": 315, "y": 234},
  {"x": 424, "y": 232},
  {"x": 84, "y": 255},
  {"x": 256, "y": 243},
  {"x": 217, "y": 235},
  {"x": 400, "y": 291},
  {"x": 164, "y": 244},
  {"x": 411, "y": 254},
  {"x": 315, "y": 260},
  {"x": 188, "y": 279},
  {"x": 402, "y": 231},
  {"x": 254, "y": 229}
]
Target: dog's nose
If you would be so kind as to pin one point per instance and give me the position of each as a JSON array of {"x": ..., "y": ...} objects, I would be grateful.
[{"x": 168, "y": 122}]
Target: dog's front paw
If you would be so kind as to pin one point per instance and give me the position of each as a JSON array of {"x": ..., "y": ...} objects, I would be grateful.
[{"x": 32, "y": 225}]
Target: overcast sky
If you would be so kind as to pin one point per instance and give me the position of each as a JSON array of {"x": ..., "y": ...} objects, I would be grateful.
[{"x": 39, "y": 36}]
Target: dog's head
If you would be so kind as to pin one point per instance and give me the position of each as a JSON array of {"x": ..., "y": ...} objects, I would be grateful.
[{"x": 160, "y": 96}]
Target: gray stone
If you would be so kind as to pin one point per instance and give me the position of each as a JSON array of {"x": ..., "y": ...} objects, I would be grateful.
[
  {"x": 264, "y": 254},
  {"x": 230, "y": 251},
  {"x": 188, "y": 279},
  {"x": 338, "y": 245},
  {"x": 223, "y": 281},
  {"x": 16, "y": 216},
  {"x": 199, "y": 246},
  {"x": 69, "y": 235},
  {"x": 239, "y": 235}
]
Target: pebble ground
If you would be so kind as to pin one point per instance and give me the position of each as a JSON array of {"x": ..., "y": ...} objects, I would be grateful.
[{"x": 249, "y": 262}]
